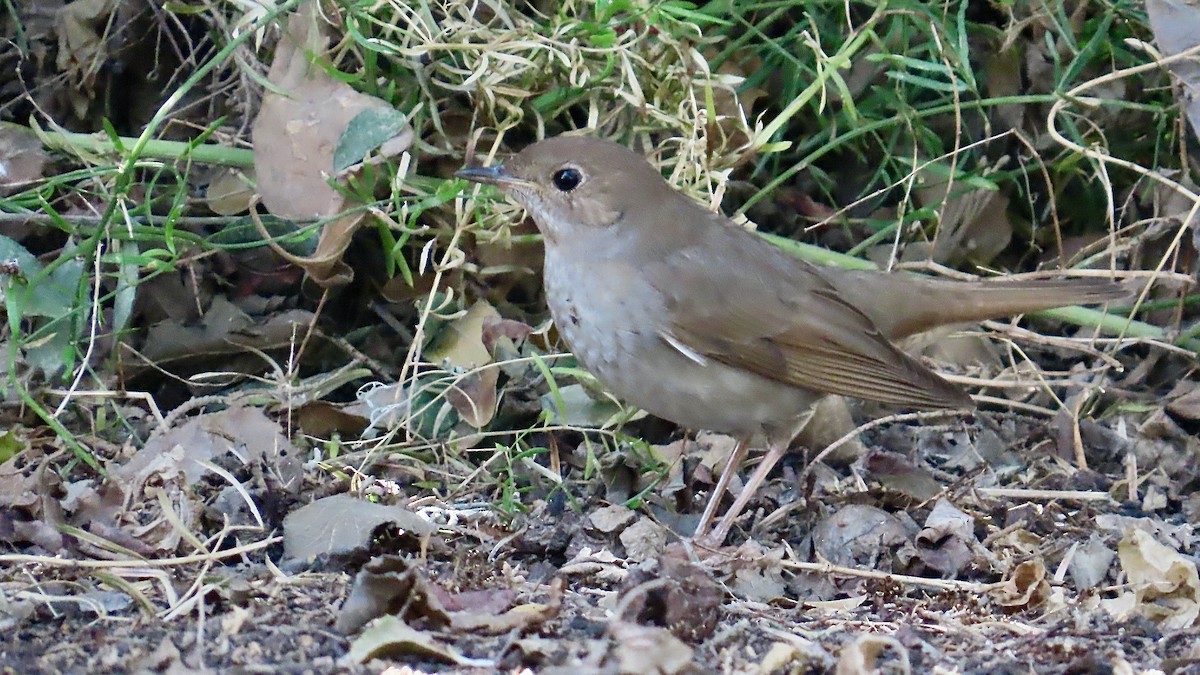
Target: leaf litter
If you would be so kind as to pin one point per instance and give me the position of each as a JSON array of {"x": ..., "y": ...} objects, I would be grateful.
[{"x": 286, "y": 512}]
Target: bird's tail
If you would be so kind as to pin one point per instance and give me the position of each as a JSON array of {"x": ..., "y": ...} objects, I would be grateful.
[{"x": 928, "y": 303}]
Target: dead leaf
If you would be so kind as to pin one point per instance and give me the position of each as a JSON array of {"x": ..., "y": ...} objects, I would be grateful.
[
  {"x": 390, "y": 636},
  {"x": 896, "y": 473},
  {"x": 973, "y": 226},
  {"x": 645, "y": 650},
  {"x": 462, "y": 346},
  {"x": 230, "y": 192},
  {"x": 758, "y": 573},
  {"x": 22, "y": 157},
  {"x": 296, "y": 135},
  {"x": 496, "y": 622},
  {"x": 1025, "y": 588},
  {"x": 1165, "y": 585},
  {"x": 609, "y": 519},
  {"x": 861, "y": 656},
  {"x": 857, "y": 534},
  {"x": 243, "y": 432},
  {"x": 341, "y": 524},
  {"x": 82, "y": 52},
  {"x": 1089, "y": 566},
  {"x": 395, "y": 585},
  {"x": 947, "y": 542},
  {"x": 1176, "y": 27},
  {"x": 643, "y": 540},
  {"x": 389, "y": 584}
]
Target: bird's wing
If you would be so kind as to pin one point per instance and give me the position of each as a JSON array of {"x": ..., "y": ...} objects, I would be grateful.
[{"x": 782, "y": 320}]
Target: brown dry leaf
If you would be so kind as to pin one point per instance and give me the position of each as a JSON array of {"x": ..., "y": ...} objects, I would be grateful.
[
  {"x": 609, "y": 519},
  {"x": 831, "y": 420},
  {"x": 230, "y": 192},
  {"x": 223, "y": 330},
  {"x": 857, "y": 534},
  {"x": 1176, "y": 27},
  {"x": 390, "y": 636},
  {"x": 386, "y": 585},
  {"x": 463, "y": 346},
  {"x": 82, "y": 52},
  {"x": 295, "y": 138},
  {"x": 646, "y": 650},
  {"x": 715, "y": 450},
  {"x": 1165, "y": 585},
  {"x": 341, "y": 524},
  {"x": 861, "y": 656},
  {"x": 392, "y": 584},
  {"x": 241, "y": 432},
  {"x": 758, "y": 573},
  {"x": 495, "y": 622},
  {"x": 644, "y": 540},
  {"x": 22, "y": 157},
  {"x": 30, "y": 510},
  {"x": 322, "y": 419},
  {"x": 947, "y": 542},
  {"x": 896, "y": 473},
  {"x": 1187, "y": 406},
  {"x": 1025, "y": 588}
]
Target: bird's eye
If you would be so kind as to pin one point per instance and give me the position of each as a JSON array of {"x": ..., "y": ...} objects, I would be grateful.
[{"x": 567, "y": 179}]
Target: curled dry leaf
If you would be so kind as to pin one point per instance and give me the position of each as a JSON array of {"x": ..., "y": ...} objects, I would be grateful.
[
  {"x": 465, "y": 346},
  {"x": 391, "y": 636},
  {"x": 1164, "y": 583},
  {"x": 82, "y": 50},
  {"x": 296, "y": 135},
  {"x": 395, "y": 585},
  {"x": 861, "y": 656},
  {"x": 1025, "y": 588},
  {"x": 946, "y": 543},
  {"x": 646, "y": 650}
]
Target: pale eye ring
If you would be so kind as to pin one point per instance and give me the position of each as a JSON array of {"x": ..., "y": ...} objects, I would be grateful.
[{"x": 567, "y": 179}]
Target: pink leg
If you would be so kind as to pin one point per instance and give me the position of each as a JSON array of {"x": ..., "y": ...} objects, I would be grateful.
[
  {"x": 731, "y": 467},
  {"x": 775, "y": 452}
]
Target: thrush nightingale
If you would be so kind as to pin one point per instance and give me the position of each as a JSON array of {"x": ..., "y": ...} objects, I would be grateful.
[{"x": 679, "y": 311}]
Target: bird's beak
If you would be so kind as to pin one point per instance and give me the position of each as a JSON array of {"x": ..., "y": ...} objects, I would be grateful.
[{"x": 491, "y": 175}]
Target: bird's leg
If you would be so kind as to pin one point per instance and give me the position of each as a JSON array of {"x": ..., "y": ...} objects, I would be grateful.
[
  {"x": 775, "y": 451},
  {"x": 731, "y": 467}
]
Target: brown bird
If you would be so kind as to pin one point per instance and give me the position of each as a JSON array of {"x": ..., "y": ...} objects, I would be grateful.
[{"x": 684, "y": 314}]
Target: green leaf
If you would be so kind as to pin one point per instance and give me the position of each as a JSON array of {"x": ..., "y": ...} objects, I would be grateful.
[
  {"x": 368, "y": 130},
  {"x": 127, "y": 279}
]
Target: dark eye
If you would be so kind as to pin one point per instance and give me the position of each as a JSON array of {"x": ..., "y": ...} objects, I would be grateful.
[{"x": 567, "y": 179}]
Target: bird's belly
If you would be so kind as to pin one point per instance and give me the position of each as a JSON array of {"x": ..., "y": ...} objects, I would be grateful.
[{"x": 612, "y": 329}]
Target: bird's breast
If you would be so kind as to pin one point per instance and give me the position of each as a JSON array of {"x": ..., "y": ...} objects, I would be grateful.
[{"x": 613, "y": 321}]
